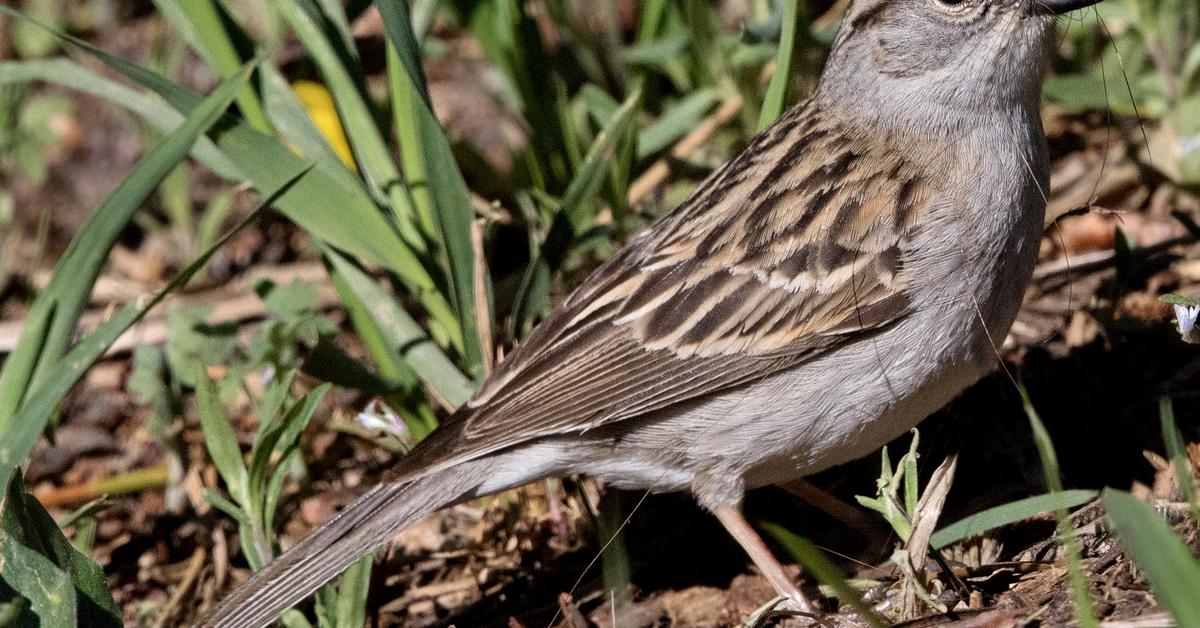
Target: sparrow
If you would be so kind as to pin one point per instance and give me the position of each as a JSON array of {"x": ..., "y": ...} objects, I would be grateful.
[{"x": 849, "y": 273}]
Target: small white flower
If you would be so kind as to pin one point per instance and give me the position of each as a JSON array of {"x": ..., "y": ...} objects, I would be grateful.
[
  {"x": 1186, "y": 315},
  {"x": 378, "y": 417}
]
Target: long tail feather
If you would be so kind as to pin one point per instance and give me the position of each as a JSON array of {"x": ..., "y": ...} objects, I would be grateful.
[{"x": 364, "y": 525}]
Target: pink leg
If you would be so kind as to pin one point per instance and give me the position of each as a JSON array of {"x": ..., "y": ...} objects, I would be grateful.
[{"x": 753, "y": 544}]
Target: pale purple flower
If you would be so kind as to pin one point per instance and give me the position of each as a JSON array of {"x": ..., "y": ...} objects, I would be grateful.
[
  {"x": 1186, "y": 315},
  {"x": 378, "y": 417}
]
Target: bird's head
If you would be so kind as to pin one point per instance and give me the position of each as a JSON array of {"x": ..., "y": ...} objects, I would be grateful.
[{"x": 922, "y": 56}]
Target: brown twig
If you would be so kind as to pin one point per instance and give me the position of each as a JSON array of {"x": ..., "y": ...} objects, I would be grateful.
[
  {"x": 233, "y": 301},
  {"x": 196, "y": 566},
  {"x": 483, "y": 314},
  {"x": 1099, "y": 260},
  {"x": 131, "y": 482}
]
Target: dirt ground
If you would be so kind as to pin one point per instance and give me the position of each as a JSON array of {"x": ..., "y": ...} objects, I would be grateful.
[{"x": 1094, "y": 345}]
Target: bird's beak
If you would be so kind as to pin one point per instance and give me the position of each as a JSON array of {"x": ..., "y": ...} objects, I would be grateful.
[{"x": 1058, "y": 7}]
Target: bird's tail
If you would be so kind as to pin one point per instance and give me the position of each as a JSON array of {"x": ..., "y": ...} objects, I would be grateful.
[{"x": 364, "y": 525}]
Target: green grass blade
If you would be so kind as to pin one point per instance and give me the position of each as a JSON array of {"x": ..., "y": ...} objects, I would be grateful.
[
  {"x": 825, "y": 572},
  {"x": 405, "y": 334},
  {"x": 586, "y": 181},
  {"x": 446, "y": 186},
  {"x": 1173, "y": 572},
  {"x": 213, "y": 38},
  {"x": 615, "y": 564},
  {"x": 55, "y": 313},
  {"x": 337, "y": 24},
  {"x": 572, "y": 218},
  {"x": 1085, "y": 611},
  {"x": 677, "y": 121},
  {"x": 396, "y": 19},
  {"x": 653, "y": 15},
  {"x": 510, "y": 39},
  {"x": 357, "y": 227},
  {"x": 293, "y": 122},
  {"x": 37, "y": 409},
  {"x": 405, "y": 118},
  {"x": 159, "y": 115},
  {"x": 1009, "y": 513},
  {"x": 1177, "y": 453},
  {"x": 346, "y": 85},
  {"x": 288, "y": 447},
  {"x": 352, "y": 593},
  {"x": 387, "y": 357},
  {"x": 1045, "y": 446},
  {"x": 776, "y": 97}
]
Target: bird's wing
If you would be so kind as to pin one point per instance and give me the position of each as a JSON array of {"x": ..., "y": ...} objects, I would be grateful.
[{"x": 793, "y": 248}]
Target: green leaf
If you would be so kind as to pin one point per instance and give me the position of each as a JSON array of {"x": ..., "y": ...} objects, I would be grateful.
[
  {"x": 191, "y": 339},
  {"x": 1175, "y": 299},
  {"x": 352, "y": 593},
  {"x": 234, "y": 511},
  {"x": 220, "y": 439},
  {"x": 299, "y": 416},
  {"x": 330, "y": 363},
  {"x": 911, "y": 483},
  {"x": 658, "y": 53},
  {"x": 274, "y": 487},
  {"x": 55, "y": 313},
  {"x": 1085, "y": 611},
  {"x": 26, "y": 522},
  {"x": 407, "y": 122},
  {"x": 49, "y": 598},
  {"x": 510, "y": 38},
  {"x": 147, "y": 384},
  {"x": 1173, "y": 572},
  {"x": 293, "y": 121},
  {"x": 387, "y": 356},
  {"x": 280, "y": 438},
  {"x": 271, "y": 403},
  {"x": 1009, "y": 513}
]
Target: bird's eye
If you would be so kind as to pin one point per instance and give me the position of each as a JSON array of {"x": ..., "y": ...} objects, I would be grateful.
[{"x": 956, "y": 6}]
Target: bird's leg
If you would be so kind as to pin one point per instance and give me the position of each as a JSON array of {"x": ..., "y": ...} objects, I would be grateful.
[{"x": 752, "y": 543}]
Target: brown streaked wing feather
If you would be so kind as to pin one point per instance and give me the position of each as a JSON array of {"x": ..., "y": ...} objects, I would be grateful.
[{"x": 793, "y": 248}]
